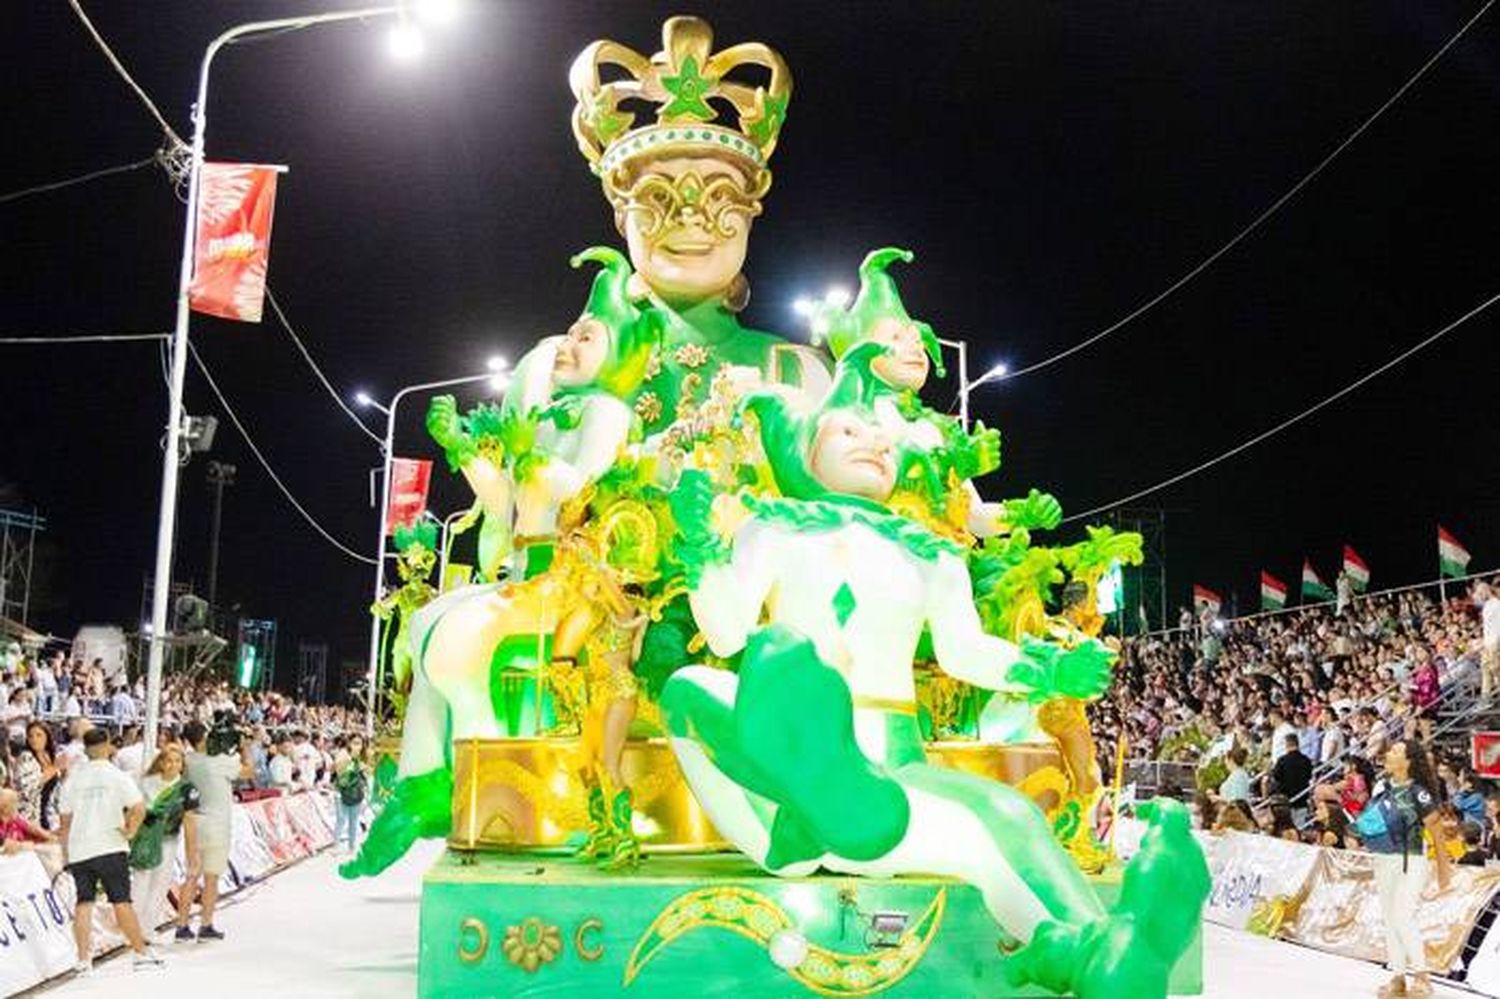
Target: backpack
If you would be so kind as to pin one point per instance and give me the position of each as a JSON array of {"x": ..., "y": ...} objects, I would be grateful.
[
  {"x": 351, "y": 786},
  {"x": 1384, "y": 826}
]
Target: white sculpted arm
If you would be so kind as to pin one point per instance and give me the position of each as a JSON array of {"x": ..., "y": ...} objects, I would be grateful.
[
  {"x": 964, "y": 650},
  {"x": 729, "y": 596}
]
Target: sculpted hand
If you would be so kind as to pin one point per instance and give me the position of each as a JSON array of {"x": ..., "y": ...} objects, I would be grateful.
[
  {"x": 981, "y": 453},
  {"x": 1038, "y": 511},
  {"x": 446, "y": 427},
  {"x": 697, "y": 545},
  {"x": 1083, "y": 672}
]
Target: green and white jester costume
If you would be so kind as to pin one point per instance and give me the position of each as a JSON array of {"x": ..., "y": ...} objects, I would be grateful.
[{"x": 811, "y": 756}]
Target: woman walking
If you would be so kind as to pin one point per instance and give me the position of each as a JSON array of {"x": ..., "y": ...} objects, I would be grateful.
[
  {"x": 171, "y": 804},
  {"x": 1405, "y": 806},
  {"x": 352, "y": 784}
]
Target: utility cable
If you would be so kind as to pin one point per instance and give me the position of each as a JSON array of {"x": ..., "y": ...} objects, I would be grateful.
[
  {"x": 1284, "y": 424},
  {"x": 267, "y": 465},
  {"x": 80, "y": 179},
  {"x": 114, "y": 61},
  {"x": 84, "y": 338},
  {"x": 1259, "y": 220},
  {"x": 338, "y": 399}
]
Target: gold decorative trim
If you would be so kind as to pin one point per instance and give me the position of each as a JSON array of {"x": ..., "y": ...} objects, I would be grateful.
[
  {"x": 591, "y": 925},
  {"x": 481, "y": 932}
]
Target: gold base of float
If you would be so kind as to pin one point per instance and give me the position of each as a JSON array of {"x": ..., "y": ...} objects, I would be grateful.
[{"x": 529, "y": 794}]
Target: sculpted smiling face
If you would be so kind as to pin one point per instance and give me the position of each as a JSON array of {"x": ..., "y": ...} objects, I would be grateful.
[
  {"x": 854, "y": 457},
  {"x": 686, "y": 221},
  {"x": 907, "y": 366},
  {"x": 581, "y": 354}
]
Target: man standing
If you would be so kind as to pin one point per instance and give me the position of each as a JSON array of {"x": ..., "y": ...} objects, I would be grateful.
[
  {"x": 1489, "y": 650},
  {"x": 214, "y": 777},
  {"x": 101, "y": 809},
  {"x": 1292, "y": 777}
]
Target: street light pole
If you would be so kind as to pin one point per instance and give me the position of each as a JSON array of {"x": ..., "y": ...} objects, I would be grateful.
[
  {"x": 167, "y": 515},
  {"x": 372, "y": 675},
  {"x": 220, "y": 474}
]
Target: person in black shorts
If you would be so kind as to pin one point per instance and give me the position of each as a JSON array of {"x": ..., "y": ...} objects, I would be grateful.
[{"x": 101, "y": 810}]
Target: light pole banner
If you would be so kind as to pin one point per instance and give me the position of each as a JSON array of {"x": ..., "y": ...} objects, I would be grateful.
[
  {"x": 233, "y": 244},
  {"x": 410, "y": 478}
]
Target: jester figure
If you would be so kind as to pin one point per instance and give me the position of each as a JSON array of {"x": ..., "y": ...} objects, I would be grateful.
[
  {"x": 811, "y": 755},
  {"x": 416, "y": 545},
  {"x": 480, "y": 651}
]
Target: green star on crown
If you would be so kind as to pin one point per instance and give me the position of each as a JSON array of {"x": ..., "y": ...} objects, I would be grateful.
[{"x": 688, "y": 89}]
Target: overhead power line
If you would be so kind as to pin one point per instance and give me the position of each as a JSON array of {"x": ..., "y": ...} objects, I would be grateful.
[
  {"x": 58, "y": 185},
  {"x": 84, "y": 338},
  {"x": 338, "y": 399},
  {"x": 114, "y": 61},
  {"x": 1284, "y": 424},
  {"x": 229, "y": 411},
  {"x": 1260, "y": 219}
]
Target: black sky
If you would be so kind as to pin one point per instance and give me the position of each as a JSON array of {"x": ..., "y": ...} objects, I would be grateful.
[{"x": 1053, "y": 165}]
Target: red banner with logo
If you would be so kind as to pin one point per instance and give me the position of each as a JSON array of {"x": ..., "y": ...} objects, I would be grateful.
[
  {"x": 409, "y": 480},
  {"x": 1486, "y": 753},
  {"x": 232, "y": 250}
]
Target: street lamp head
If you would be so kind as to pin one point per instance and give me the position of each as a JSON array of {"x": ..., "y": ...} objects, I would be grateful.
[
  {"x": 803, "y": 307},
  {"x": 497, "y": 363},
  {"x": 363, "y": 398},
  {"x": 837, "y": 297},
  {"x": 405, "y": 43},
  {"x": 499, "y": 382},
  {"x": 998, "y": 371}
]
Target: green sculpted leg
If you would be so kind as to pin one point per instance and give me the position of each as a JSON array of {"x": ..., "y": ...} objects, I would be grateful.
[{"x": 419, "y": 807}]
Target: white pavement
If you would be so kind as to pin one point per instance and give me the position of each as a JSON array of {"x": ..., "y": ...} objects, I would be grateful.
[{"x": 308, "y": 934}]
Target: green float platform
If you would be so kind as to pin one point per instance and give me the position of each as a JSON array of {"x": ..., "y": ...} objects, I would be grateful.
[{"x": 503, "y": 925}]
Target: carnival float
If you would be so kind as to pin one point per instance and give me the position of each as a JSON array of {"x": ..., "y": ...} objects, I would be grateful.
[{"x": 755, "y": 693}]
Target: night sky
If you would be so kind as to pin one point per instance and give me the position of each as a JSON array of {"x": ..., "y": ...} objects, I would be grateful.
[{"x": 1052, "y": 165}]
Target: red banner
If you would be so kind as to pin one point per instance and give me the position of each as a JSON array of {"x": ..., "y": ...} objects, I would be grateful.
[
  {"x": 409, "y": 480},
  {"x": 1486, "y": 753},
  {"x": 232, "y": 249}
]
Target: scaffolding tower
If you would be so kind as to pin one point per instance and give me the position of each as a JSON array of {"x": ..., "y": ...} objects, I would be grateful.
[
  {"x": 18, "y": 531},
  {"x": 312, "y": 672},
  {"x": 1145, "y": 584}
]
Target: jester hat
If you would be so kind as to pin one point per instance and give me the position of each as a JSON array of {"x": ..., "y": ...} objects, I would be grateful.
[
  {"x": 878, "y": 299},
  {"x": 787, "y": 431},
  {"x": 633, "y": 332},
  {"x": 421, "y": 533}
]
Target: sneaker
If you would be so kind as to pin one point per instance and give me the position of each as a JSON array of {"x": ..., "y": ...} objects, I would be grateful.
[
  {"x": 209, "y": 933},
  {"x": 146, "y": 959},
  {"x": 183, "y": 934}
]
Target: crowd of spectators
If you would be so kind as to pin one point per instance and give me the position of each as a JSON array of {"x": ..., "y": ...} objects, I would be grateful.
[{"x": 1279, "y": 723}]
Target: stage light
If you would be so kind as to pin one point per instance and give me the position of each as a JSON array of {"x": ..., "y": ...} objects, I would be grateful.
[
  {"x": 405, "y": 43},
  {"x": 497, "y": 363},
  {"x": 803, "y": 307},
  {"x": 837, "y": 297}
]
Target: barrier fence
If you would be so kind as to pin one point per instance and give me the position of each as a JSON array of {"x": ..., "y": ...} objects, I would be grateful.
[
  {"x": 36, "y": 904},
  {"x": 1326, "y": 899}
]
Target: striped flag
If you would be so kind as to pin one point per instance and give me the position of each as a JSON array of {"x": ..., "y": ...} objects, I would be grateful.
[
  {"x": 1356, "y": 570},
  {"x": 1204, "y": 597},
  {"x": 1453, "y": 558},
  {"x": 1272, "y": 592},
  {"x": 1313, "y": 587}
]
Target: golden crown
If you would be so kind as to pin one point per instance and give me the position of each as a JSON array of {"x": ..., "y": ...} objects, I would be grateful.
[{"x": 681, "y": 79}]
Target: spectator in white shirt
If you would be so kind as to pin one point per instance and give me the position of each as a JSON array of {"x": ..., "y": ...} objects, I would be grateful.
[
  {"x": 101, "y": 810},
  {"x": 1489, "y": 648}
]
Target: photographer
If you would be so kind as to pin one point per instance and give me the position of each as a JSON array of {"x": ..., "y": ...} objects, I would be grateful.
[{"x": 213, "y": 774}]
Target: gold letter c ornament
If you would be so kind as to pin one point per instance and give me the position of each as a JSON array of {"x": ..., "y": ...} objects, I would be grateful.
[
  {"x": 481, "y": 935},
  {"x": 590, "y": 925}
]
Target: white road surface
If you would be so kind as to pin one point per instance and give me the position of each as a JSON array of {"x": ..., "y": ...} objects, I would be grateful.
[{"x": 307, "y": 934}]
